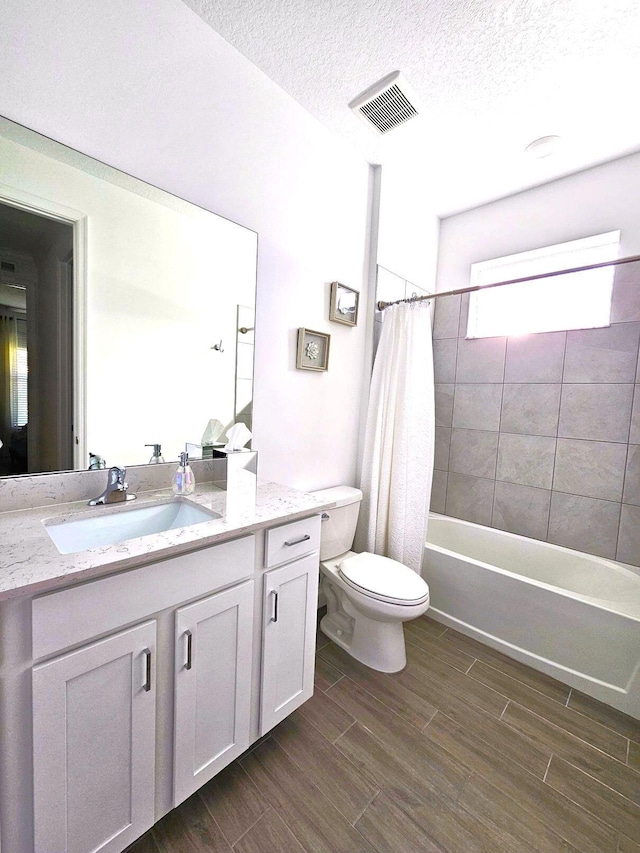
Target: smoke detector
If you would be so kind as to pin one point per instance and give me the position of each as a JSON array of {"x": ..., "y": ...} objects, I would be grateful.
[{"x": 387, "y": 104}]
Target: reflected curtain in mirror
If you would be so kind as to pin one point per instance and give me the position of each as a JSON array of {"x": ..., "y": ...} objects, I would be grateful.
[{"x": 13, "y": 394}]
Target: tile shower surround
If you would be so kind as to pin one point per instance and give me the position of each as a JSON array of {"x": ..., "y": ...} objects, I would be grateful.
[{"x": 540, "y": 435}]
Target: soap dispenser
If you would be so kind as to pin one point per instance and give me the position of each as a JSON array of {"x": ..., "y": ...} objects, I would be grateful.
[
  {"x": 184, "y": 482},
  {"x": 156, "y": 456}
]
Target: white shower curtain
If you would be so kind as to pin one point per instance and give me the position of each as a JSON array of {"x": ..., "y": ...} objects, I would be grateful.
[{"x": 399, "y": 438}]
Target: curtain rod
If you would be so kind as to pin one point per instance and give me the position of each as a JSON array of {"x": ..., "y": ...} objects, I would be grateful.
[{"x": 382, "y": 305}]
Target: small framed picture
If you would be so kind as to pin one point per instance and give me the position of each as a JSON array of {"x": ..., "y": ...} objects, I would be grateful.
[
  {"x": 313, "y": 350},
  {"x": 344, "y": 304}
]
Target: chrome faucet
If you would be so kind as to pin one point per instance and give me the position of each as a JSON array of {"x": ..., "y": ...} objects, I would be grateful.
[{"x": 116, "y": 490}]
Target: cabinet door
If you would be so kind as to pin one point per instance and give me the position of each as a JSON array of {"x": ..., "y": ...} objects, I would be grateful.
[
  {"x": 212, "y": 686},
  {"x": 94, "y": 744},
  {"x": 289, "y": 638}
]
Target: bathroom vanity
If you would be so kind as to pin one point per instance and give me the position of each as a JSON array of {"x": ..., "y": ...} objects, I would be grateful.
[{"x": 131, "y": 674}]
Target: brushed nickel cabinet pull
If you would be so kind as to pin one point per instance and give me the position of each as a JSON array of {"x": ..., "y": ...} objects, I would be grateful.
[
  {"x": 189, "y": 637},
  {"x": 304, "y": 538},
  {"x": 147, "y": 670}
]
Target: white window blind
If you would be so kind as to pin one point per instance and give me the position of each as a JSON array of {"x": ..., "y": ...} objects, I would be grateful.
[
  {"x": 572, "y": 301},
  {"x": 19, "y": 378}
]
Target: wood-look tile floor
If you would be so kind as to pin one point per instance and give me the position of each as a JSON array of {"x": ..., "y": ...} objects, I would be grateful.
[{"x": 464, "y": 751}]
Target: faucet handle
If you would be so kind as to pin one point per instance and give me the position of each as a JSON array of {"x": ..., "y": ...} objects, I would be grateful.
[{"x": 116, "y": 476}]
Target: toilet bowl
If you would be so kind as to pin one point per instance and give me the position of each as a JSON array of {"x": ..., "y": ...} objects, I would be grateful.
[{"x": 368, "y": 596}]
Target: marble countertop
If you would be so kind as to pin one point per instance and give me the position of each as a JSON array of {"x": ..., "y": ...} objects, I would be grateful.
[{"x": 30, "y": 562}]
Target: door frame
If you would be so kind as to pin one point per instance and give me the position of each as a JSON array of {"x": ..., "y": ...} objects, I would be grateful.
[{"x": 49, "y": 209}]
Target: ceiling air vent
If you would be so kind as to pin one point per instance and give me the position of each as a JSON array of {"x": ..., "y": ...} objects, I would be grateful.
[{"x": 387, "y": 104}]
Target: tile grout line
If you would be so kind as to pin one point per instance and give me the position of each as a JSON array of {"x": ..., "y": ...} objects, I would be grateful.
[
  {"x": 431, "y": 719},
  {"x": 529, "y": 687},
  {"x": 381, "y": 701},
  {"x": 335, "y": 740},
  {"x": 237, "y": 841},
  {"x": 377, "y": 793}
]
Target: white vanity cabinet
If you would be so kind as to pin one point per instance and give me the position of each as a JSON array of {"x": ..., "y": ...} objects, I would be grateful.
[
  {"x": 94, "y": 744},
  {"x": 144, "y": 683},
  {"x": 290, "y": 601},
  {"x": 97, "y": 707},
  {"x": 212, "y": 686}
]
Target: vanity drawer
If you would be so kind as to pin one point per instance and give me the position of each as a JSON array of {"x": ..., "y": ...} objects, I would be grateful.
[
  {"x": 292, "y": 540},
  {"x": 71, "y": 616}
]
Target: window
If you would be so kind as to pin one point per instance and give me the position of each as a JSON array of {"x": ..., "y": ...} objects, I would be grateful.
[
  {"x": 19, "y": 378},
  {"x": 572, "y": 301}
]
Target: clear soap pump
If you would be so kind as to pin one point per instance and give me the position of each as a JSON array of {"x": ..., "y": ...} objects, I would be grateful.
[
  {"x": 156, "y": 456},
  {"x": 184, "y": 482}
]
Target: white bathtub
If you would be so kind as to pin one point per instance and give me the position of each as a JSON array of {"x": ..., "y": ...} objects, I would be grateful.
[{"x": 571, "y": 615}]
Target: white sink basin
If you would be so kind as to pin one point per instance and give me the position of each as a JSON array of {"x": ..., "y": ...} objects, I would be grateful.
[{"x": 113, "y": 527}]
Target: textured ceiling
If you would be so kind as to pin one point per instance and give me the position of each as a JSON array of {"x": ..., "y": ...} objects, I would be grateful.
[{"x": 490, "y": 76}]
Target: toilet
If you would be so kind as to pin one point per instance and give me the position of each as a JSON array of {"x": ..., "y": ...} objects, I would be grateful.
[{"x": 368, "y": 596}]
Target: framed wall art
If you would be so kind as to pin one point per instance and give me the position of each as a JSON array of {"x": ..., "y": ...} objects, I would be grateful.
[
  {"x": 344, "y": 304},
  {"x": 313, "y": 350}
]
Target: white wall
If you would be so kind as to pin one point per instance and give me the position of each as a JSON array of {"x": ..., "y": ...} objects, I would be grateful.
[
  {"x": 408, "y": 238},
  {"x": 149, "y": 88},
  {"x": 595, "y": 201}
]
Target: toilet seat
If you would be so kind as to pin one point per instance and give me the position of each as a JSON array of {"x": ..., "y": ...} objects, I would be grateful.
[{"x": 383, "y": 579}]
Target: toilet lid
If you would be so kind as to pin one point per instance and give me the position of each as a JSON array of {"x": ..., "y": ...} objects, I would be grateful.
[{"x": 384, "y": 579}]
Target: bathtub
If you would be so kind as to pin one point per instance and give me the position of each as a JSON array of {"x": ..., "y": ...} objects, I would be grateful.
[{"x": 570, "y": 615}]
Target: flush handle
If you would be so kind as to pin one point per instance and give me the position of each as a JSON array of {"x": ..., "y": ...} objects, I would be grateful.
[
  {"x": 147, "y": 670},
  {"x": 304, "y": 538},
  {"x": 189, "y": 637}
]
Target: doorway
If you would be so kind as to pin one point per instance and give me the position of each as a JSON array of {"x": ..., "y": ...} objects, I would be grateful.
[{"x": 36, "y": 343}]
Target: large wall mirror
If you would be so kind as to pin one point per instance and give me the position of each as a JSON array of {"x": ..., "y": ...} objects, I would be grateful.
[{"x": 127, "y": 315}]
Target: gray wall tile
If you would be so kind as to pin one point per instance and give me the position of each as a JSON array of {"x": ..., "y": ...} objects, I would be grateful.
[
  {"x": 447, "y": 317},
  {"x": 473, "y": 452},
  {"x": 526, "y": 459},
  {"x": 629, "y": 538},
  {"x": 470, "y": 498},
  {"x": 444, "y": 360},
  {"x": 481, "y": 360},
  {"x": 625, "y": 304},
  {"x": 521, "y": 509},
  {"x": 602, "y": 355},
  {"x": 441, "y": 452},
  {"x": 477, "y": 407},
  {"x": 598, "y": 412},
  {"x": 444, "y": 404},
  {"x": 585, "y": 524},
  {"x": 531, "y": 409},
  {"x": 634, "y": 433},
  {"x": 535, "y": 358},
  {"x": 594, "y": 469},
  {"x": 439, "y": 491},
  {"x": 631, "y": 493},
  {"x": 511, "y": 392}
]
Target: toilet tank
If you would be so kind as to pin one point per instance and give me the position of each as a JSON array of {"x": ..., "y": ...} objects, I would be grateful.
[{"x": 339, "y": 529}]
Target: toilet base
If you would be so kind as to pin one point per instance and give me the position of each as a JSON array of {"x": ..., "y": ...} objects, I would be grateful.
[{"x": 379, "y": 645}]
